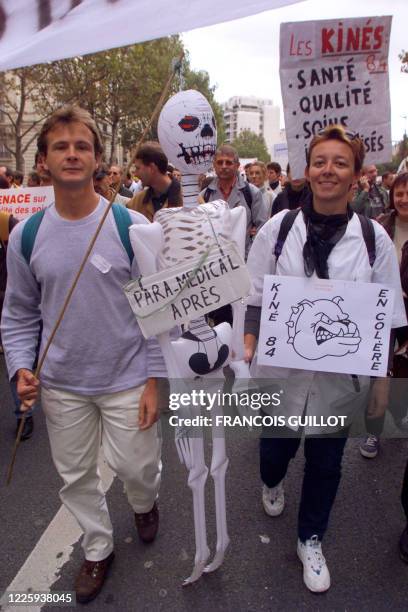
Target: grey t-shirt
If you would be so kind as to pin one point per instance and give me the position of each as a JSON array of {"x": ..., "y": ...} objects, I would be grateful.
[{"x": 99, "y": 347}]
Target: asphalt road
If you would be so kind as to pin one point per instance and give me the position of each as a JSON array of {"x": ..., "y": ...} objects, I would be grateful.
[{"x": 258, "y": 573}]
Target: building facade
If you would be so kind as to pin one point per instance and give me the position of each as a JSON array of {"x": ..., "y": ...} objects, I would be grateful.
[{"x": 257, "y": 115}]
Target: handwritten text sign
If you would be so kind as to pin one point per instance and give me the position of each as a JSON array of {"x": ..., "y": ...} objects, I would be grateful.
[
  {"x": 315, "y": 324},
  {"x": 336, "y": 72},
  {"x": 187, "y": 291},
  {"x": 22, "y": 203}
]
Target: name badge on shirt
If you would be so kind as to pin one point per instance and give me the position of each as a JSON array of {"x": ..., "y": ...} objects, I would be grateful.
[{"x": 100, "y": 263}]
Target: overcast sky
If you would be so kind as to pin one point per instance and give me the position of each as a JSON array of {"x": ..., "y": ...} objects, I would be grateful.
[{"x": 242, "y": 56}]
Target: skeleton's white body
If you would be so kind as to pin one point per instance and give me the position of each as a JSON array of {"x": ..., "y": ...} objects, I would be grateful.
[{"x": 175, "y": 236}]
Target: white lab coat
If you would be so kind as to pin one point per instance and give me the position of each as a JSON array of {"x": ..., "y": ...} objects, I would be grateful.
[{"x": 324, "y": 393}]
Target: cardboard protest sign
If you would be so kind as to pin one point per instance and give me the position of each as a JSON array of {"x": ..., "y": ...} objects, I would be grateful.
[
  {"x": 187, "y": 291},
  {"x": 318, "y": 324},
  {"x": 336, "y": 71},
  {"x": 22, "y": 203}
]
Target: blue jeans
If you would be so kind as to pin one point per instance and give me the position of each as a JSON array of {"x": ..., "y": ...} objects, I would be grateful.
[
  {"x": 321, "y": 480},
  {"x": 17, "y": 402}
]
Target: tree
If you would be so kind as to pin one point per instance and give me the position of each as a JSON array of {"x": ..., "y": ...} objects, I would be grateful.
[
  {"x": 249, "y": 144},
  {"x": 404, "y": 61},
  {"x": 201, "y": 82},
  {"x": 401, "y": 153},
  {"x": 119, "y": 87},
  {"x": 19, "y": 94}
]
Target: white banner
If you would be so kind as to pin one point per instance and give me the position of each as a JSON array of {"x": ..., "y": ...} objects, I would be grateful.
[
  {"x": 336, "y": 72},
  {"x": 25, "y": 201},
  {"x": 33, "y": 31},
  {"x": 187, "y": 291},
  {"x": 321, "y": 325}
]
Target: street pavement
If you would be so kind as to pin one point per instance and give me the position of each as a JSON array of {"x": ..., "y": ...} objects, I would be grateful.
[{"x": 40, "y": 541}]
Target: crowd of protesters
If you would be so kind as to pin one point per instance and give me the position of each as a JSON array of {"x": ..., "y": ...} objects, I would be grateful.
[{"x": 323, "y": 239}]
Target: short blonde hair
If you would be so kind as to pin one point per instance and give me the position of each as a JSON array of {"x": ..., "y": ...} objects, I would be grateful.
[
  {"x": 339, "y": 132},
  {"x": 262, "y": 166}
]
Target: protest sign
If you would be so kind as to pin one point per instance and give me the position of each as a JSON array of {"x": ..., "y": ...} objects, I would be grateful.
[
  {"x": 187, "y": 291},
  {"x": 318, "y": 324},
  {"x": 22, "y": 203},
  {"x": 37, "y": 31},
  {"x": 336, "y": 71}
]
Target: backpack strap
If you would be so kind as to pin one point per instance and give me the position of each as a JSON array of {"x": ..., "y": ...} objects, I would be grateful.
[
  {"x": 246, "y": 190},
  {"x": 29, "y": 234},
  {"x": 285, "y": 227},
  {"x": 207, "y": 195},
  {"x": 123, "y": 221},
  {"x": 367, "y": 228}
]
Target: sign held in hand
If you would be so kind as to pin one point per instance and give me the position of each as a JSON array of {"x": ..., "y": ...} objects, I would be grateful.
[
  {"x": 317, "y": 324},
  {"x": 336, "y": 71},
  {"x": 187, "y": 291}
]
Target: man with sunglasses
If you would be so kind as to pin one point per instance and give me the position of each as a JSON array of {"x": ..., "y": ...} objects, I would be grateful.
[
  {"x": 325, "y": 240},
  {"x": 236, "y": 191}
]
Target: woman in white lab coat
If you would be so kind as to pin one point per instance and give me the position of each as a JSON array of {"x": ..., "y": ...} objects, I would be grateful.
[{"x": 326, "y": 240}]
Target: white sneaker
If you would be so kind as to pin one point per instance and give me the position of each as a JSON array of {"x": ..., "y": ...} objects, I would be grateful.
[
  {"x": 273, "y": 499},
  {"x": 316, "y": 574}
]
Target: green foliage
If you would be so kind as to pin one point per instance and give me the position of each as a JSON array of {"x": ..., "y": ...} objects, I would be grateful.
[
  {"x": 249, "y": 144},
  {"x": 20, "y": 92},
  {"x": 401, "y": 153},
  {"x": 200, "y": 80},
  {"x": 119, "y": 87}
]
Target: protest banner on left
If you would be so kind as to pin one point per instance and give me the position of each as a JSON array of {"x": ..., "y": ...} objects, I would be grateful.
[
  {"x": 336, "y": 71},
  {"x": 22, "y": 203}
]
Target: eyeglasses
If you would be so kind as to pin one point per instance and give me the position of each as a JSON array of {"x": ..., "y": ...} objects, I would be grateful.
[{"x": 224, "y": 162}]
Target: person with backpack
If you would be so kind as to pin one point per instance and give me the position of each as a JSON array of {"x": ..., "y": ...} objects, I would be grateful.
[
  {"x": 229, "y": 186},
  {"x": 7, "y": 223},
  {"x": 98, "y": 381},
  {"x": 324, "y": 239}
]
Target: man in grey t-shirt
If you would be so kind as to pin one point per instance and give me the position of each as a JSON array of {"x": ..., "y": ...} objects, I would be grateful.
[{"x": 99, "y": 378}]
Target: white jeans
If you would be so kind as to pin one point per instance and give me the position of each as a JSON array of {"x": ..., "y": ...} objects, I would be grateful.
[{"x": 76, "y": 426}]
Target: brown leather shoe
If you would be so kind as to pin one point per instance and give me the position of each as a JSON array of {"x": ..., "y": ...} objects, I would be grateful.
[
  {"x": 147, "y": 524},
  {"x": 91, "y": 578}
]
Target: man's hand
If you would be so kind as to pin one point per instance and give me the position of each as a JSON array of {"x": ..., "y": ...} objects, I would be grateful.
[
  {"x": 364, "y": 183},
  {"x": 402, "y": 350},
  {"x": 148, "y": 405},
  {"x": 249, "y": 347},
  {"x": 27, "y": 388},
  {"x": 378, "y": 402}
]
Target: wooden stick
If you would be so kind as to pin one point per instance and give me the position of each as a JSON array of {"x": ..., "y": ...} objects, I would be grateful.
[{"x": 88, "y": 251}]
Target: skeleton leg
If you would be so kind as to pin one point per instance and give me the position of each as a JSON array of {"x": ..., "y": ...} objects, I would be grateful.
[
  {"x": 219, "y": 464},
  {"x": 192, "y": 451}
]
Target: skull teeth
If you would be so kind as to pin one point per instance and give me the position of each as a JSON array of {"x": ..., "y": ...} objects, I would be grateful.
[{"x": 197, "y": 154}]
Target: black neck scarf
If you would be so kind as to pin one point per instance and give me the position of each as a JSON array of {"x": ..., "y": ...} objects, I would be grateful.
[{"x": 323, "y": 232}]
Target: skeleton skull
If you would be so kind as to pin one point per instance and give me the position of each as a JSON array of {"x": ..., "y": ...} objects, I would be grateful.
[{"x": 187, "y": 132}]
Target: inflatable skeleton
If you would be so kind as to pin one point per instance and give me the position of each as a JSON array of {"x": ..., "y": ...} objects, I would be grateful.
[
  {"x": 196, "y": 242},
  {"x": 188, "y": 136}
]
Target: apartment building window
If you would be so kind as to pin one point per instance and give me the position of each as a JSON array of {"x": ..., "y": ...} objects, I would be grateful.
[{"x": 4, "y": 153}]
